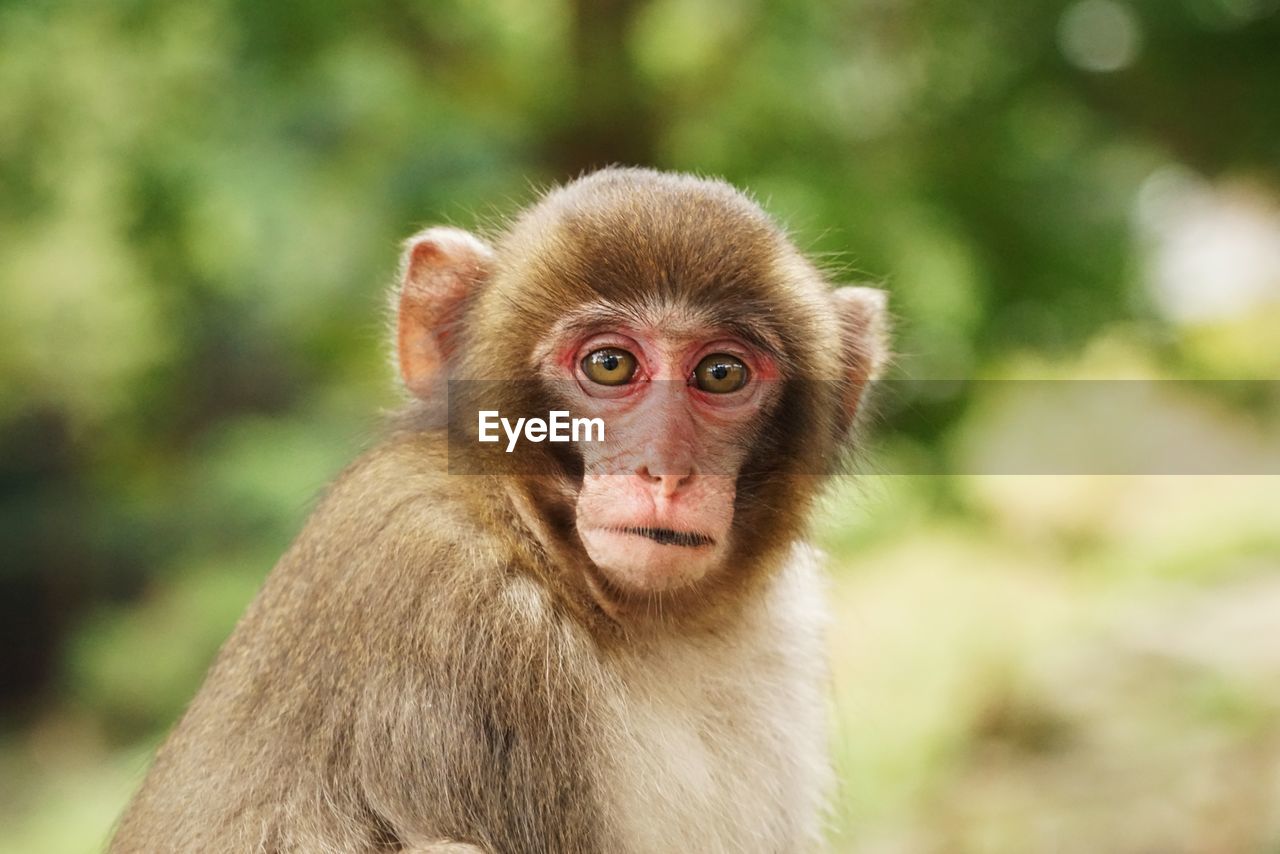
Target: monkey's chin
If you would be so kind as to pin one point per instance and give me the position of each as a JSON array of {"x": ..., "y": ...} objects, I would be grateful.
[{"x": 640, "y": 560}]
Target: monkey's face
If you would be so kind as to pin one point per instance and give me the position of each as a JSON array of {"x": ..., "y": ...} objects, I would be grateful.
[
  {"x": 725, "y": 370},
  {"x": 680, "y": 402}
]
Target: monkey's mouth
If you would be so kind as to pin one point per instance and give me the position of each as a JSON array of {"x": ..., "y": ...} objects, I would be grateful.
[{"x": 669, "y": 537}]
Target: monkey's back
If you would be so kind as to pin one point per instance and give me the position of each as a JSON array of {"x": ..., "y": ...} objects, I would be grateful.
[{"x": 368, "y": 684}]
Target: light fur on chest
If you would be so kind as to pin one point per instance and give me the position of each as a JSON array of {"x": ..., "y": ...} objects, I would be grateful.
[{"x": 718, "y": 743}]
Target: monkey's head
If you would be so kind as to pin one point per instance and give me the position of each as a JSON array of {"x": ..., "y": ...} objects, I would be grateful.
[{"x": 725, "y": 370}]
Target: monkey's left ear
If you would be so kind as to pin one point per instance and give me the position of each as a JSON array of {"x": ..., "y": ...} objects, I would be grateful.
[
  {"x": 864, "y": 340},
  {"x": 439, "y": 270}
]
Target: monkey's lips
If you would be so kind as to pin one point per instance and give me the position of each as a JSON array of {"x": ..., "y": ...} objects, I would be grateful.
[
  {"x": 669, "y": 536},
  {"x": 643, "y": 541},
  {"x": 650, "y": 558}
]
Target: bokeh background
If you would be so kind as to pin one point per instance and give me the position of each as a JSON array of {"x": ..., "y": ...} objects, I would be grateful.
[{"x": 200, "y": 210}]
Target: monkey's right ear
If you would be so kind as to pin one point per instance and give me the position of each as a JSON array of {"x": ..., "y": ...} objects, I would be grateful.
[
  {"x": 439, "y": 270},
  {"x": 864, "y": 320}
]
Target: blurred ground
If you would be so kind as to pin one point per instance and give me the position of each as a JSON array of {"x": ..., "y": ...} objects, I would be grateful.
[{"x": 1009, "y": 691}]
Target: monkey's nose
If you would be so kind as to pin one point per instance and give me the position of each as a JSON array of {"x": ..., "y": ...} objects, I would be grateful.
[{"x": 666, "y": 484}]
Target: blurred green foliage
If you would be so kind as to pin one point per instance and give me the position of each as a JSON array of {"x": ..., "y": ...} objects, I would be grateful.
[{"x": 200, "y": 207}]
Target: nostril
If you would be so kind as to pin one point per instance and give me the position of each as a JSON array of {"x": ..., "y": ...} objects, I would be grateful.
[
  {"x": 667, "y": 480},
  {"x": 673, "y": 483},
  {"x": 666, "y": 485}
]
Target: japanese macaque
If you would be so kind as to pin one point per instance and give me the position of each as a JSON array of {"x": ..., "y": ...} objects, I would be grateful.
[{"x": 609, "y": 646}]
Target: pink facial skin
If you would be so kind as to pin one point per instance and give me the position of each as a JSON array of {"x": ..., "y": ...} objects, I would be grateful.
[{"x": 655, "y": 510}]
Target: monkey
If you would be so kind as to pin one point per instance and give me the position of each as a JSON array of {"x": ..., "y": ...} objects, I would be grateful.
[{"x": 603, "y": 646}]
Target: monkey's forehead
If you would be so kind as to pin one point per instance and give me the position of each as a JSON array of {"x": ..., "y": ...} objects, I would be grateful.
[
  {"x": 636, "y": 243},
  {"x": 628, "y": 235},
  {"x": 647, "y": 189},
  {"x": 766, "y": 295},
  {"x": 677, "y": 322},
  {"x": 618, "y": 212}
]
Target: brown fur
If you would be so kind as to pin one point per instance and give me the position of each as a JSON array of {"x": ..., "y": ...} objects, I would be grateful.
[{"x": 427, "y": 664}]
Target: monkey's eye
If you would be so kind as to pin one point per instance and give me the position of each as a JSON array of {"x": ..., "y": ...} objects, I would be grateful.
[
  {"x": 720, "y": 373},
  {"x": 609, "y": 366}
]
